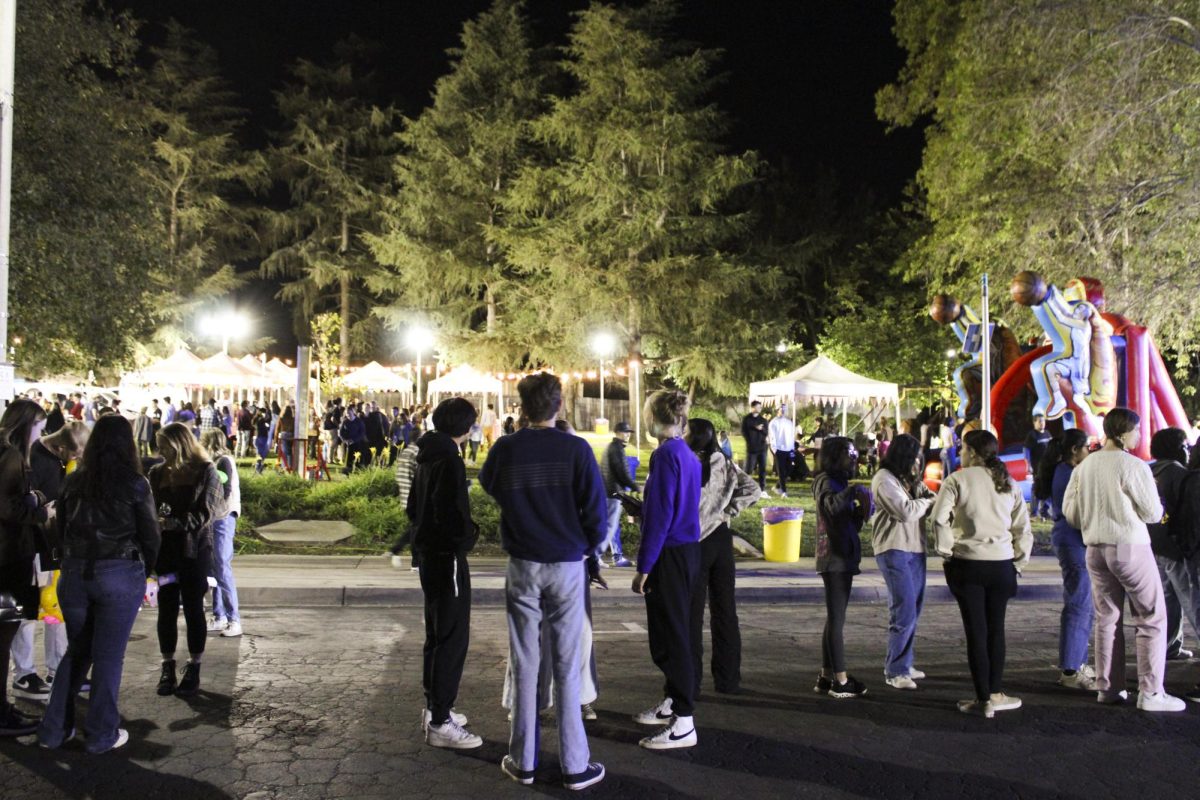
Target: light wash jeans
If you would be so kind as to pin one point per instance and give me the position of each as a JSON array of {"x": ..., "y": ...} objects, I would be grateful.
[
  {"x": 225, "y": 599},
  {"x": 613, "y": 540},
  {"x": 1075, "y": 622},
  {"x": 554, "y": 592},
  {"x": 1183, "y": 578},
  {"x": 904, "y": 574},
  {"x": 55, "y": 647}
]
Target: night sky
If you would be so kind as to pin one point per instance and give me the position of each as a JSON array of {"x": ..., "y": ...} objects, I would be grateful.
[{"x": 800, "y": 85}]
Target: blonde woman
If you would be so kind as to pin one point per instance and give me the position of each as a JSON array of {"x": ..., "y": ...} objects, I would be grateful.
[
  {"x": 667, "y": 567},
  {"x": 1110, "y": 498},
  {"x": 188, "y": 494}
]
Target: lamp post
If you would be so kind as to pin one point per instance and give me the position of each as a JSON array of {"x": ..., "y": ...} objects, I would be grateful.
[
  {"x": 228, "y": 324},
  {"x": 603, "y": 345},
  {"x": 419, "y": 339}
]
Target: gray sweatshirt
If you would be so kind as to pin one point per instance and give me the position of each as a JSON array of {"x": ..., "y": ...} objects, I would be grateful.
[{"x": 729, "y": 491}]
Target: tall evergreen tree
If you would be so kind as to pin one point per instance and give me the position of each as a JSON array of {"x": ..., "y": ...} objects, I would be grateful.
[
  {"x": 334, "y": 158},
  {"x": 632, "y": 224},
  {"x": 459, "y": 157}
]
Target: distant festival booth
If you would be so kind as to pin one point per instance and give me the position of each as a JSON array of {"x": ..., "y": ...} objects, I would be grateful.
[
  {"x": 376, "y": 378},
  {"x": 823, "y": 381},
  {"x": 464, "y": 380}
]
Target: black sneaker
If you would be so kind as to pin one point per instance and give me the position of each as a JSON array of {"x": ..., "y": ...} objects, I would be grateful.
[
  {"x": 1194, "y": 694},
  {"x": 510, "y": 768},
  {"x": 15, "y": 723},
  {"x": 592, "y": 775},
  {"x": 1180, "y": 655},
  {"x": 851, "y": 688},
  {"x": 166, "y": 683},
  {"x": 189, "y": 684},
  {"x": 31, "y": 687},
  {"x": 823, "y": 685}
]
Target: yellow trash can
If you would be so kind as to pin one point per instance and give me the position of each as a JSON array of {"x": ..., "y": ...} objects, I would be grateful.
[
  {"x": 782, "y": 528},
  {"x": 601, "y": 425}
]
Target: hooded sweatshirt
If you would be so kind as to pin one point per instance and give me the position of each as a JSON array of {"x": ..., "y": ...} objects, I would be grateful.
[{"x": 438, "y": 504}]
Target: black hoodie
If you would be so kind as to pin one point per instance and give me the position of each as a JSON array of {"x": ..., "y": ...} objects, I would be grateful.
[{"x": 438, "y": 504}]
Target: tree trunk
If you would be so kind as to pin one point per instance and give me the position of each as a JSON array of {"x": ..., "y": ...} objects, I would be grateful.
[
  {"x": 344, "y": 331},
  {"x": 491, "y": 308}
]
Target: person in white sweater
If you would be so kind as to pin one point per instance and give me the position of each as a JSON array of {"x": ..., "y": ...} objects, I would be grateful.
[
  {"x": 1110, "y": 498},
  {"x": 898, "y": 538},
  {"x": 981, "y": 528}
]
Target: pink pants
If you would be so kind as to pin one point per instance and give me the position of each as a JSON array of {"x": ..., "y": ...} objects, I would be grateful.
[{"x": 1119, "y": 572}]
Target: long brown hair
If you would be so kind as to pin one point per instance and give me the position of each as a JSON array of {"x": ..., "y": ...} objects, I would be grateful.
[
  {"x": 110, "y": 457},
  {"x": 19, "y": 418},
  {"x": 985, "y": 446},
  {"x": 181, "y": 445}
]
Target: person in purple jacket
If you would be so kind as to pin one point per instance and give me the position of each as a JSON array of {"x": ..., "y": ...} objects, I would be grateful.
[{"x": 667, "y": 565}]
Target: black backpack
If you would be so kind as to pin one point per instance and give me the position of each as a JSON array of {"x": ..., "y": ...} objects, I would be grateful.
[{"x": 1183, "y": 520}]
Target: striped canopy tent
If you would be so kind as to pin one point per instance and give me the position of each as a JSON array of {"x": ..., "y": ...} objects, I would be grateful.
[
  {"x": 824, "y": 381},
  {"x": 374, "y": 377}
]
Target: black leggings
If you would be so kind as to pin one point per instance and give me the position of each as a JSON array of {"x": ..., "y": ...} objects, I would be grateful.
[
  {"x": 983, "y": 589},
  {"x": 837, "y": 597},
  {"x": 190, "y": 588}
]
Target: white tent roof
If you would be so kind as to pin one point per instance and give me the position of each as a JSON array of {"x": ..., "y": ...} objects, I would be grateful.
[
  {"x": 221, "y": 370},
  {"x": 823, "y": 380},
  {"x": 378, "y": 378},
  {"x": 178, "y": 369},
  {"x": 465, "y": 380}
]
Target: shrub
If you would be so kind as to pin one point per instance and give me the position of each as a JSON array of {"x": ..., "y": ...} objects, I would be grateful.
[{"x": 717, "y": 418}]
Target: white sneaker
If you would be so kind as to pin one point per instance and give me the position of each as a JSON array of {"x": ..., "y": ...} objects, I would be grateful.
[
  {"x": 681, "y": 732},
  {"x": 217, "y": 624},
  {"x": 915, "y": 674},
  {"x": 1086, "y": 669},
  {"x": 1077, "y": 681},
  {"x": 452, "y": 736},
  {"x": 455, "y": 717},
  {"x": 1159, "y": 701},
  {"x": 901, "y": 682},
  {"x": 234, "y": 628},
  {"x": 658, "y": 715},
  {"x": 1002, "y": 702},
  {"x": 1111, "y": 698}
]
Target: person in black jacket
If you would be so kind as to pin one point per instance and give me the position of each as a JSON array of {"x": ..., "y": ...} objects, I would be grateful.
[
  {"x": 615, "y": 471},
  {"x": 443, "y": 534},
  {"x": 353, "y": 435},
  {"x": 1179, "y": 573},
  {"x": 754, "y": 431},
  {"x": 109, "y": 531}
]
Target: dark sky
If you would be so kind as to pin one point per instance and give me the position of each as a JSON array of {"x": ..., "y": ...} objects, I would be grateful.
[{"x": 801, "y": 74}]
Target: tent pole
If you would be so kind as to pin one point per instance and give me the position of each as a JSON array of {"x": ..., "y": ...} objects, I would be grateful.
[{"x": 844, "y": 407}]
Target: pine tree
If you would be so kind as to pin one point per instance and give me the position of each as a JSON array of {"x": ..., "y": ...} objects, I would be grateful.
[
  {"x": 334, "y": 158},
  {"x": 460, "y": 155}
]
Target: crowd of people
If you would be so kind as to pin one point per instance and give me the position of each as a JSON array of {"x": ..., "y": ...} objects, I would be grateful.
[{"x": 134, "y": 524}]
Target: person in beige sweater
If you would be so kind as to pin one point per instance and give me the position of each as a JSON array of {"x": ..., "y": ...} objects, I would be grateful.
[
  {"x": 1111, "y": 497},
  {"x": 981, "y": 528},
  {"x": 902, "y": 502}
]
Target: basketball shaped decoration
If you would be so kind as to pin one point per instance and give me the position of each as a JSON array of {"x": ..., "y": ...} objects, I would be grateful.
[
  {"x": 945, "y": 309},
  {"x": 1028, "y": 288}
]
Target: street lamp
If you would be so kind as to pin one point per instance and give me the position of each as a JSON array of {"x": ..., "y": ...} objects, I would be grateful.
[
  {"x": 604, "y": 344},
  {"x": 227, "y": 324},
  {"x": 420, "y": 339}
]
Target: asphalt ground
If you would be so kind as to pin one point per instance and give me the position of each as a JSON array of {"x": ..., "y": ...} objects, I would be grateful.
[{"x": 324, "y": 703}]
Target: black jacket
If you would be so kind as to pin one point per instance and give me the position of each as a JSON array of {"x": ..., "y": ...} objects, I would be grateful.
[
  {"x": 756, "y": 439},
  {"x": 438, "y": 504},
  {"x": 1168, "y": 475},
  {"x": 195, "y": 521},
  {"x": 119, "y": 524},
  {"x": 22, "y": 509},
  {"x": 376, "y": 425},
  {"x": 615, "y": 469}
]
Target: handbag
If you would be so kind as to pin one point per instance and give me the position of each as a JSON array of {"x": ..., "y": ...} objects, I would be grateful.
[{"x": 10, "y": 609}]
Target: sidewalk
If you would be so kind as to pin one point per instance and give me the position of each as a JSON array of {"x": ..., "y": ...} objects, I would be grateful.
[{"x": 282, "y": 580}]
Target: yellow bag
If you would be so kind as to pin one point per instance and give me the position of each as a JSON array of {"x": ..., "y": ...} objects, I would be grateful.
[{"x": 48, "y": 609}]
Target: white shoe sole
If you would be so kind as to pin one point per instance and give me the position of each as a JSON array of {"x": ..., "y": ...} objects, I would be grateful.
[
  {"x": 660, "y": 721},
  {"x": 457, "y": 744},
  {"x": 666, "y": 744}
]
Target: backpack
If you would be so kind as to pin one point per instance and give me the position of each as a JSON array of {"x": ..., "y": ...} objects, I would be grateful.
[{"x": 1183, "y": 519}]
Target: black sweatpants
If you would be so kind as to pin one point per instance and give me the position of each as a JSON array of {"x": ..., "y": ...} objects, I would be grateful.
[
  {"x": 783, "y": 467},
  {"x": 837, "y": 597},
  {"x": 715, "y": 583},
  {"x": 446, "y": 582},
  {"x": 357, "y": 452},
  {"x": 188, "y": 590},
  {"x": 668, "y": 622},
  {"x": 983, "y": 589},
  {"x": 758, "y": 462}
]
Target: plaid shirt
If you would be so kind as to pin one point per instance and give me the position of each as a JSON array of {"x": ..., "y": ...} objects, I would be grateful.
[{"x": 208, "y": 419}]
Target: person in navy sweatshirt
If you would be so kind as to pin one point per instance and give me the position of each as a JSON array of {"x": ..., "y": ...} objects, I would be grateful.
[
  {"x": 443, "y": 534},
  {"x": 668, "y": 564},
  {"x": 552, "y": 514}
]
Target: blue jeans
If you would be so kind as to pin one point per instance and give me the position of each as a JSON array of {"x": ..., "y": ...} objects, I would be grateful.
[
  {"x": 555, "y": 592},
  {"x": 613, "y": 539},
  {"x": 904, "y": 574},
  {"x": 225, "y": 599},
  {"x": 1075, "y": 624},
  {"x": 99, "y": 615}
]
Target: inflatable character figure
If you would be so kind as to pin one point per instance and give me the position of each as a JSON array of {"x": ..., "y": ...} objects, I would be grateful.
[{"x": 1081, "y": 358}]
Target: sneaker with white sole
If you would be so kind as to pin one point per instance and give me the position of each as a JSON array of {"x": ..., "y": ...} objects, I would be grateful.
[
  {"x": 977, "y": 708},
  {"x": 1077, "y": 681},
  {"x": 1159, "y": 701},
  {"x": 901, "y": 682},
  {"x": 217, "y": 624},
  {"x": 455, "y": 717},
  {"x": 915, "y": 674},
  {"x": 1108, "y": 698},
  {"x": 122, "y": 740},
  {"x": 234, "y": 628},
  {"x": 587, "y": 711},
  {"x": 31, "y": 687},
  {"x": 1002, "y": 702},
  {"x": 851, "y": 688},
  {"x": 451, "y": 735},
  {"x": 658, "y": 715},
  {"x": 681, "y": 732},
  {"x": 510, "y": 768},
  {"x": 590, "y": 776}
]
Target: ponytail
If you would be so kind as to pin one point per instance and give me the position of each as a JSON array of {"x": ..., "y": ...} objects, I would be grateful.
[
  {"x": 985, "y": 446},
  {"x": 1060, "y": 449}
]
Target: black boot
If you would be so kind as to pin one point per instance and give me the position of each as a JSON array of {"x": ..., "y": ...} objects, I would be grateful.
[
  {"x": 166, "y": 683},
  {"x": 189, "y": 684}
]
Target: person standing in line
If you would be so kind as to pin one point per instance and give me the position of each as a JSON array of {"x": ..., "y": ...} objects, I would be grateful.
[
  {"x": 474, "y": 439},
  {"x": 170, "y": 413},
  {"x": 262, "y": 436},
  {"x": 143, "y": 433},
  {"x": 156, "y": 423},
  {"x": 614, "y": 467},
  {"x": 842, "y": 508},
  {"x": 406, "y": 472},
  {"x": 245, "y": 429},
  {"x": 285, "y": 434},
  {"x": 188, "y": 494},
  {"x": 54, "y": 416},
  {"x": 1075, "y": 623},
  {"x": 898, "y": 539},
  {"x": 781, "y": 437},
  {"x": 754, "y": 432},
  {"x": 376, "y": 426},
  {"x": 488, "y": 422},
  {"x": 981, "y": 529},
  {"x": 443, "y": 534},
  {"x": 1111, "y": 497},
  {"x": 668, "y": 565},
  {"x": 109, "y": 530},
  {"x": 725, "y": 491},
  {"x": 1036, "y": 442},
  {"x": 551, "y": 497},
  {"x": 329, "y": 429},
  {"x": 353, "y": 435},
  {"x": 210, "y": 418},
  {"x": 1178, "y": 571},
  {"x": 225, "y": 620},
  {"x": 395, "y": 435}
]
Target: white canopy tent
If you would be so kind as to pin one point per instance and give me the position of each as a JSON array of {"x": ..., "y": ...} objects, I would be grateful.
[
  {"x": 178, "y": 369},
  {"x": 823, "y": 380},
  {"x": 374, "y": 377},
  {"x": 466, "y": 379}
]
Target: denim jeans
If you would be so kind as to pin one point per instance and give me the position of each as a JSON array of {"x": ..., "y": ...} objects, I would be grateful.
[
  {"x": 613, "y": 539},
  {"x": 904, "y": 573},
  {"x": 99, "y": 615},
  {"x": 225, "y": 599},
  {"x": 1075, "y": 624},
  {"x": 554, "y": 592}
]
